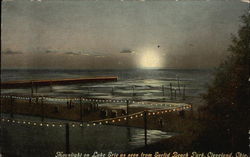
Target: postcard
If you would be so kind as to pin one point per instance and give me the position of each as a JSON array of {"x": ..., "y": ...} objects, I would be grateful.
[{"x": 125, "y": 78}]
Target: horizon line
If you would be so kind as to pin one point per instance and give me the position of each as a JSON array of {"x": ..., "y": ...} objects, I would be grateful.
[{"x": 109, "y": 69}]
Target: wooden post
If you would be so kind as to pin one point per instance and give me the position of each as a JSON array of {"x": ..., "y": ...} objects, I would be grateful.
[
  {"x": 179, "y": 88},
  {"x": 183, "y": 93},
  {"x": 171, "y": 95},
  {"x": 67, "y": 138},
  {"x": 30, "y": 100},
  {"x": 11, "y": 105},
  {"x": 42, "y": 106},
  {"x": 81, "y": 110},
  {"x": 191, "y": 111},
  {"x": 127, "y": 122},
  {"x": 31, "y": 88},
  {"x": 129, "y": 133},
  {"x": 36, "y": 100},
  {"x": 163, "y": 90},
  {"x": 175, "y": 94},
  {"x": 145, "y": 127},
  {"x": 127, "y": 107},
  {"x": 127, "y": 113},
  {"x": 133, "y": 87}
]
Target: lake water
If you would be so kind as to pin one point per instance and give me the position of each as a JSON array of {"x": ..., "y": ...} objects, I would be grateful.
[{"x": 139, "y": 85}]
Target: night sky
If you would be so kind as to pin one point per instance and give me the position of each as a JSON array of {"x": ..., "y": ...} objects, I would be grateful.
[{"x": 114, "y": 34}]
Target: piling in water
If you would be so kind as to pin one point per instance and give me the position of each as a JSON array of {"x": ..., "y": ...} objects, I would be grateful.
[
  {"x": 183, "y": 93},
  {"x": 179, "y": 88},
  {"x": 171, "y": 94},
  {"x": 11, "y": 103},
  {"x": 163, "y": 90},
  {"x": 42, "y": 106}
]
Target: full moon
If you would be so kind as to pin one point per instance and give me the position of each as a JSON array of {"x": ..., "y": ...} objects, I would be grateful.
[{"x": 150, "y": 59}]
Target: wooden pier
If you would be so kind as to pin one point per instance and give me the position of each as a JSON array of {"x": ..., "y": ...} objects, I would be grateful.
[{"x": 33, "y": 83}]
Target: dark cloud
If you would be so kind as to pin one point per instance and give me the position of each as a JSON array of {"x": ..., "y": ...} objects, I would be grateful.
[
  {"x": 50, "y": 51},
  {"x": 10, "y": 52},
  {"x": 83, "y": 53},
  {"x": 72, "y": 53},
  {"x": 127, "y": 51},
  {"x": 89, "y": 53}
]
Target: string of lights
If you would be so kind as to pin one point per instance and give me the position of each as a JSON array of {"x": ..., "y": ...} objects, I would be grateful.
[
  {"x": 95, "y": 123},
  {"x": 92, "y": 123}
]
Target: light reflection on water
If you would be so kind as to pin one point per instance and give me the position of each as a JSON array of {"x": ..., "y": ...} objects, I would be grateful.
[
  {"x": 147, "y": 83},
  {"x": 136, "y": 89}
]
